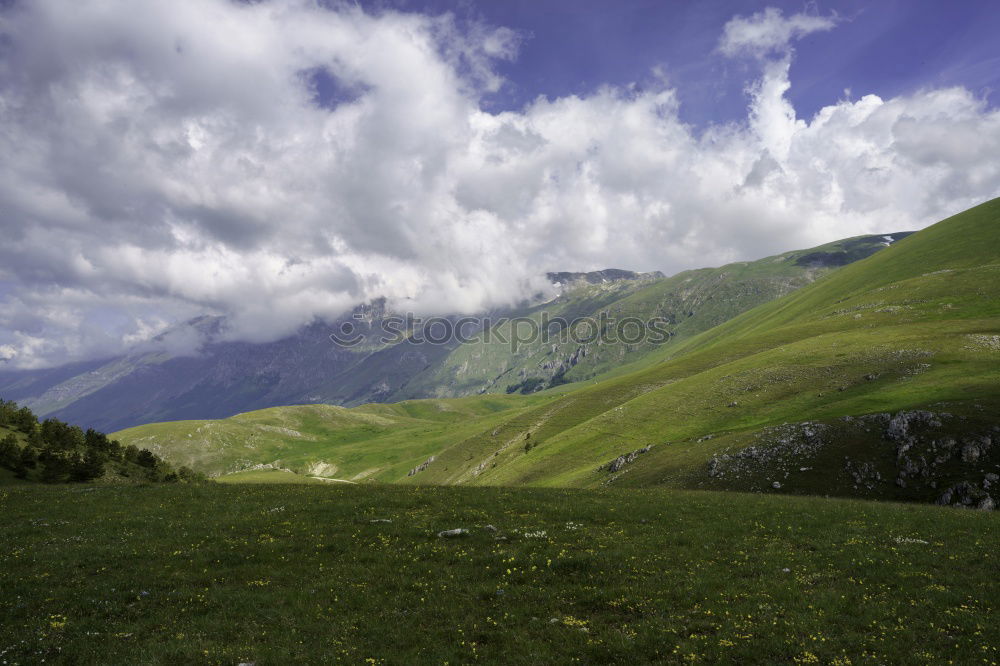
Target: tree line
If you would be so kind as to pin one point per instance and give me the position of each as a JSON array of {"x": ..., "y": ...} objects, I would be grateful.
[{"x": 52, "y": 451}]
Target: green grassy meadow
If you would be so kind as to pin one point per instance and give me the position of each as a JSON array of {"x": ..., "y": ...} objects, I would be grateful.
[{"x": 278, "y": 574}]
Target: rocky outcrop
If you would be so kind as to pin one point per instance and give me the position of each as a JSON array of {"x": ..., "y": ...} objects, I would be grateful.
[
  {"x": 967, "y": 495},
  {"x": 779, "y": 450},
  {"x": 925, "y": 449},
  {"x": 421, "y": 467},
  {"x": 625, "y": 459},
  {"x": 600, "y": 277},
  {"x": 920, "y": 455}
]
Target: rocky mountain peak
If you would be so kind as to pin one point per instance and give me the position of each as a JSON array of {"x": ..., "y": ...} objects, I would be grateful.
[{"x": 563, "y": 278}]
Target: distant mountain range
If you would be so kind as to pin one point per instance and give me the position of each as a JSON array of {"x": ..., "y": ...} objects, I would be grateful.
[
  {"x": 880, "y": 381},
  {"x": 226, "y": 378}
]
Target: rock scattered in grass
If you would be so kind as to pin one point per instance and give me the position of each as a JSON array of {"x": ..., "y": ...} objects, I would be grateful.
[
  {"x": 983, "y": 342},
  {"x": 864, "y": 474},
  {"x": 910, "y": 540},
  {"x": 450, "y": 534}
]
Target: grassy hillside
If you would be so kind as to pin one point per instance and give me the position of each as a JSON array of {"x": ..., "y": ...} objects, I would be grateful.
[
  {"x": 914, "y": 327},
  {"x": 227, "y": 378},
  {"x": 910, "y": 327},
  {"x": 292, "y": 574},
  {"x": 687, "y": 303},
  {"x": 373, "y": 442}
]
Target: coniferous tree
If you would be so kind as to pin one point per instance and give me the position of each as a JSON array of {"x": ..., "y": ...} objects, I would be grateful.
[
  {"x": 130, "y": 453},
  {"x": 55, "y": 467},
  {"x": 7, "y": 412},
  {"x": 10, "y": 452},
  {"x": 27, "y": 462},
  {"x": 24, "y": 420},
  {"x": 89, "y": 467},
  {"x": 146, "y": 458}
]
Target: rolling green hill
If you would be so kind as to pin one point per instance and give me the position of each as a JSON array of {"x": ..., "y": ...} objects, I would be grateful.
[
  {"x": 371, "y": 442},
  {"x": 229, "y": 377},
  {"x": 800, "y": 394},
  {"x": 687, "y": 304},
  {"x": 911, "y": 327}
]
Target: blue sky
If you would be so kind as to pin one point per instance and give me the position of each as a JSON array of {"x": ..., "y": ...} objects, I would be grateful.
[{"x": 889, "y": 48}]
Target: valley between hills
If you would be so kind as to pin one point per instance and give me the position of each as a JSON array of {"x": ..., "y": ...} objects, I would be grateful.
[
  {"x": 878, "y": 380},
  {"x": 780, "y": 482}
]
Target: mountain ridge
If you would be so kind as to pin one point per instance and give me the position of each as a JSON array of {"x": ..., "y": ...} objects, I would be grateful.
[
  {"x": 225, "y": 378},
  {"x": 840, "y": 380}
]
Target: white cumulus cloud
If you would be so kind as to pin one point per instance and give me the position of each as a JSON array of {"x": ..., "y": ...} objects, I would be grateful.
[
  {"x": 769, "y": 31},
  {"x": 170, "y": 158}
]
